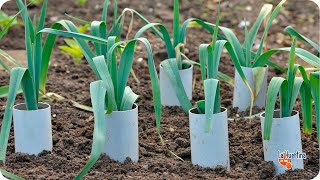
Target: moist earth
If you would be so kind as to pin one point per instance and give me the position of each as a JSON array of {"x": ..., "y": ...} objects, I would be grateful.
[{"x": 73, "y": 128}]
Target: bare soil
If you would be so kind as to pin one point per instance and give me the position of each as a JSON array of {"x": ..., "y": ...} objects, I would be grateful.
[{"x": 73, "y": 128}]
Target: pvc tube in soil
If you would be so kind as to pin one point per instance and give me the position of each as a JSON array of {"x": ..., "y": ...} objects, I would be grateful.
[
  {"x": 122, "y": 135},
  {"x": 241, "y": 93},
  {"x": 285, "y": 137},
  {"x": 168, "y": 94},
  {"x": 209, "y": 149},
  {"x": 32, "y": 129}
]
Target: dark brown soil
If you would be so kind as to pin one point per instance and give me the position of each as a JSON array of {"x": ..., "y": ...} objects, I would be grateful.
[{"x": 72, "y": 128}]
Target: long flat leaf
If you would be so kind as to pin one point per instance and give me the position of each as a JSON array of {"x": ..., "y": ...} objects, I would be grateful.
[
  {"x": 107, "y": 81},
  {"x": 231, "y": 37},
  {"x": 303, "y": 54},
  {"x": 306, "y": 107},
  {"x": 258, "y": 77},
  {"x": 211, "y": 87},
  {"x": 275, "y": 86},
  {"x": 315, "y": 89},
  {"x": 105, "y": 11},
  {"x": 293, "y": 32},
  {"x": 97, "y": 92},
  {"x": 265, "y": 10},
  {"x": 99, "y": 29},
  {"x": 274, "y": 14},
  {"x": 17, "y": 76},
  {"x": 176, "y": 23},
  {"x": 129, "y": 98},
  {"x": 164, "y": 34},
  {"x": 10, "y": 175},
  {"x": 4, "y": 91},
  {"x": 171, "y": 68}
]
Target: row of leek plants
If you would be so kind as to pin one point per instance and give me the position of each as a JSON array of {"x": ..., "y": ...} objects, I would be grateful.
[{"x": 110, "y": 94}]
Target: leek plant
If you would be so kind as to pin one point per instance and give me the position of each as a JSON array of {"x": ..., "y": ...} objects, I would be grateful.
[
  {"x": 29, "y": 78},
  {"x": 244, "y": 57},
  {"x": 172, "y": 67},
  {"x": 288, "y": 89},
  {"x": 112, "y": 79},
  {"x": 209, "y": 64},
  {"x": 111, "y": 93}
]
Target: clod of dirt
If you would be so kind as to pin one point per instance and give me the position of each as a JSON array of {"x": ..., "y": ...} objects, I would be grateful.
[{"x": 266, "y": 170}]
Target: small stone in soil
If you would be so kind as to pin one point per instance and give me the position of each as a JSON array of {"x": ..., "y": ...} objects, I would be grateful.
[{"x": 182, "y": 142}]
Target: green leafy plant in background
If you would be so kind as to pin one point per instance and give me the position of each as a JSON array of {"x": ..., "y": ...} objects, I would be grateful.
[
  {"x": 29, "y": 78},
  {"x": 6, "y": 19},
  {"x": 288, "y": 89},
  {"x": 36, "y": 2},
  {"x": 82, "y": 2},
  {"x": 72, "y": 48}
]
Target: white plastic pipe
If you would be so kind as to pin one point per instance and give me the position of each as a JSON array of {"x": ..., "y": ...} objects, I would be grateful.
[
  {"x": 168, "y": 94},
  {"x": 209, "y": 149},
  {"x": 122, "y": 139},
  {"x": 285, "y": 136},
  {"x": 241, "y": 93},
  {"x": 32, "y": 129}
]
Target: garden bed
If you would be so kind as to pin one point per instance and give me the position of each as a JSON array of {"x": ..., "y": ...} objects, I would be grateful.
[{"x": 73, "y": 128}]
